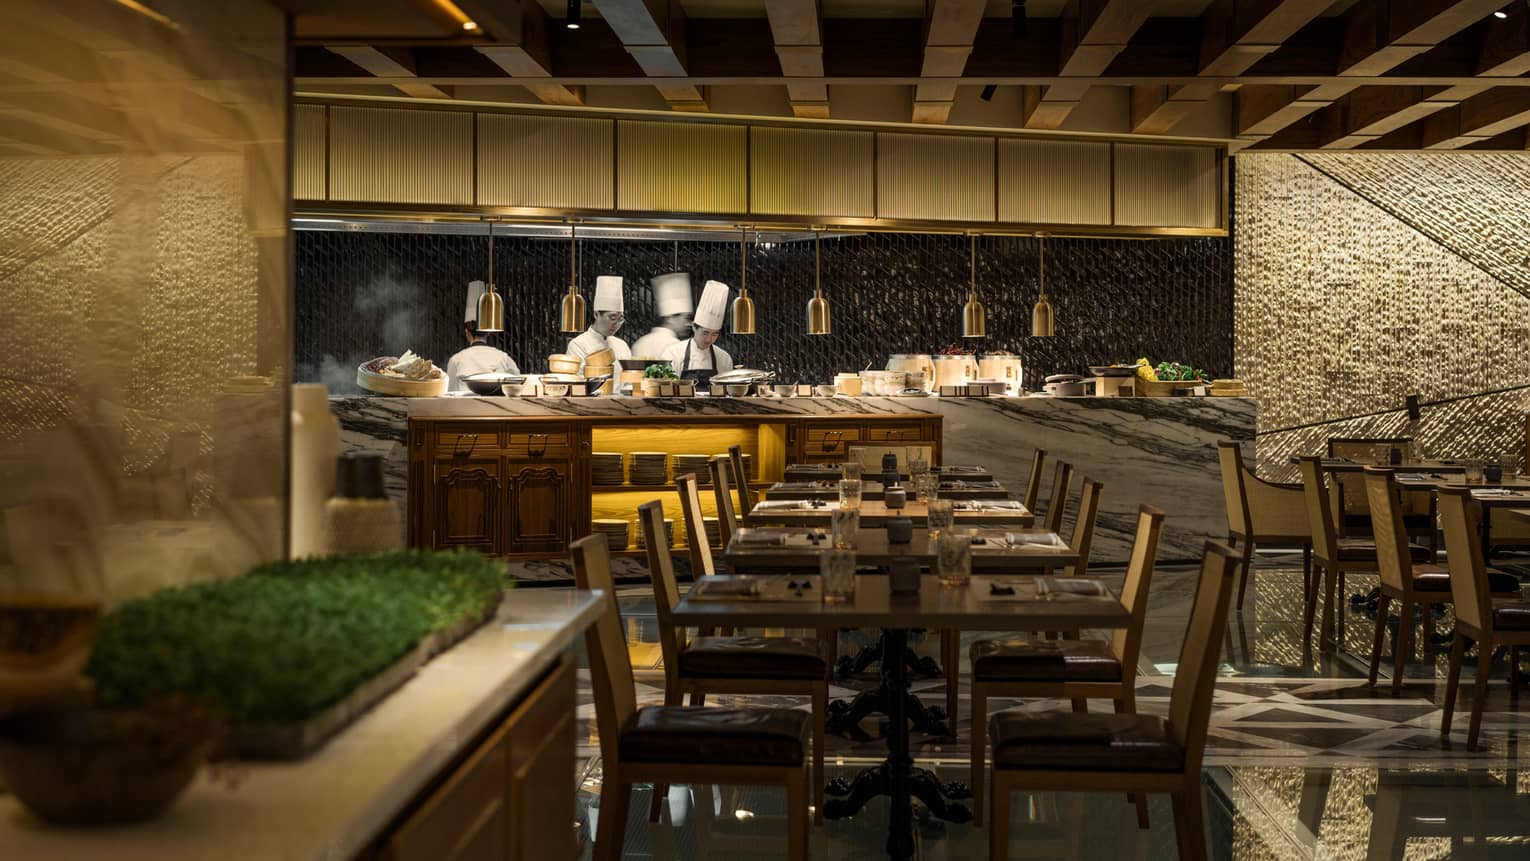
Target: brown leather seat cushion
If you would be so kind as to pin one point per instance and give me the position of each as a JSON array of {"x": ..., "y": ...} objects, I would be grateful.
[
  {"x": 1512, "y": 616},
  {"x": 1086, "y": 742},
  {"x": 755, "y": 657},
  {"x": 1364, "y": 550},
  {"x": 761, "y": 736},
  {"x": 1044, "y": 660},
  {"x": 1434, "y": 578}
]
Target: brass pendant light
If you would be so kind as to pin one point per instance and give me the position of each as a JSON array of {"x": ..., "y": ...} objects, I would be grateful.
[
  {"x": 1041, "y": 316},
  {"x": 818, "y": 307},
  {"x": 743, "y": 306},
  {"x": 974, "y": 315},
  {"x": 571, "y": 318},
  {"x": 491, "y": 308}
]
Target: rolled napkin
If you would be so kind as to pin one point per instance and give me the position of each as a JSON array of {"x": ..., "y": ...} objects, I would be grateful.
[
  {"x": 1069, "y": 586},
  {"x": 1035, "y": 539}
]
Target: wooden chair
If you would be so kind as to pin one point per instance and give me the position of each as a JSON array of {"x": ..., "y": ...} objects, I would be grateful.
[
  {"x": 1408, "y": 583},
  {"x": 1262, "y": 512},
  {"x": 727, "y": 520},
  {"x": 1075, "y": 669},
  {"x": 1332, "y": 556},
  {"x": 1083, "y": 525},
  {"x": 656, "y": 744},
  {"x": 1060, "y": 481},
  {"x": 1125, "y": 752},
  {"x": 1352, "y": 510},
  {"x": 1491, "y": 624},
  {"x": 789, "y": 666},
  {"x": 741, "y": 478},
  {"x": 1033, "y": 487}
]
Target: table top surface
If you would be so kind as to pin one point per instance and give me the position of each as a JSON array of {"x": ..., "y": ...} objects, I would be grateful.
[
  {"x": 999, "y": 550},
  {"x": 1345, "y": 464},
  {"x": 935, "y": 606},
  {"x": 871, "y": 489},
  {"x": 831, "y": 470},
  {"x": 874, "y": 512}
]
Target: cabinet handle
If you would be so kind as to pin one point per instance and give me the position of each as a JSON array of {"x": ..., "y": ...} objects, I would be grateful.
[
  {"x": 533, "y": 449},
  {"x": 833, "y": 443},
  {"x": 472, "y": 445}
]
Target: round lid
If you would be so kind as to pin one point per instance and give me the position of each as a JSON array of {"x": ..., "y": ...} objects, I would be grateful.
[{"x": 1065, "y": 378}]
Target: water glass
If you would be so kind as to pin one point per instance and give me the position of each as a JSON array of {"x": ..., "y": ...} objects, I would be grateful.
[
  {"x": 941, "y": 517},
  {"x": 850, "y": 493},
  {"x": 918, "y": 466},
  {"x": 843, "y": 522},
  {"x": 838, "y": 570},
  {"x": 1473, "y": 472},
  {"x": 954, "y": 555},
  {"x": 925, "y": 487},
  {"x": 851, "y": 469},
  {"x": 1510, "y": 463}
]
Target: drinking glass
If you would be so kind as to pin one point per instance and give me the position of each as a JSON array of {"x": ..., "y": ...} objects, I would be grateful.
[
  {"x": 941, "y": 517},
  {"x": 838, "y": 570},
  {"x": 850, "y": 493},
  {"x": 918, "y": 466},
  {"x": 924, "y": 487},
  {"x": 843, "y": 522},
  {"x": 954, "y": 554},
  {"x": 1510, "y": 463},
  {"x": 1473, "y": 472},
  {"x": 851, "y": 469}
]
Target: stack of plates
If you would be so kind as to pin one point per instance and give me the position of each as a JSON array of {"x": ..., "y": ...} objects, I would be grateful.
[
  {"x": 669, "y": 532},
  {"x": 748, "y": 465},
  {"x": 696, "y": 463},
  {"x": 616, "y": 532},
  {"x": 713, "y": 528},
  {"x": 606, "y": 467},
  {"x": 648, "y": 467}
]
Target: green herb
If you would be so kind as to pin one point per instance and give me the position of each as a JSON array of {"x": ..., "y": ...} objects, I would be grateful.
[
  {"x": 289, "y": 639},
  {"x": 1176, "y": 372},
  {"x": 660, "y": 371}
]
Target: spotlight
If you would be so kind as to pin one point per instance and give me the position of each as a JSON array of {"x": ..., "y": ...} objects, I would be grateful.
[
  {"x": 470, "y": 26},
  {"x": 1500, "y": 14},
  {"x": 571, "y": 20},
  {"x": 988, "y": 91},
  {"x": 1017, "y": 17}
]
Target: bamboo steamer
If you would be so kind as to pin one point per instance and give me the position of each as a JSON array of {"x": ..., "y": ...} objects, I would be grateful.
[
  {"x": 384, "y": 384},
  {"x": 563, "y": 363}
]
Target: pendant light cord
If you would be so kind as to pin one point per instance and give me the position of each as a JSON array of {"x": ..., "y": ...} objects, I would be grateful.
[
  {"x": 817, "y": 264},
  {"x": 573, "y": 248},
  {"x": 974, "y": 265},
  {"x": 491, "y": 255},
  {"x": 1042, "y": 271},
  {"x": 743, "y": 259}
]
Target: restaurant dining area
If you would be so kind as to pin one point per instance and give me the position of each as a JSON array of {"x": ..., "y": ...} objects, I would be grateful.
[{"x": 468, "y": 430}]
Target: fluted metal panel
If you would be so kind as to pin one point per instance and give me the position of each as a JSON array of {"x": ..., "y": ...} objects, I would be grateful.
[
  {"x": 1054, "y": 182},
  {"x": 1161, "y": 185},
  {"x": 389, "y": 155},
  {"x": 545, "y": 161},
  {"x": 682, "y": 167},
  {"x": 935, "y": 177},
  {"x": 308, "y": 153},
  {"x": 812, "y": 172}
]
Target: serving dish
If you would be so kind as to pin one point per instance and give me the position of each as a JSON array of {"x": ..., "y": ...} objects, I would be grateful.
[{"x": 492, "y": 382}]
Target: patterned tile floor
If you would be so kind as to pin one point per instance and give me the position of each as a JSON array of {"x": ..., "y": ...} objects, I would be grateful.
[{"x": 1301, "y": 756}]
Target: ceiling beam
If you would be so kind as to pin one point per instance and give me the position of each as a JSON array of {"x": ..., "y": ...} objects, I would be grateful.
[
  {"x": 396, "y": 64},
  {"x": 653, "y": 32},
  {"x": 950, "y": 28},
  {"x": 1480, "y": 118},
  {"x": 796, "y": 26},
  {"x": 521, "y": 46},
  {"x": 1093, "y": 33}
]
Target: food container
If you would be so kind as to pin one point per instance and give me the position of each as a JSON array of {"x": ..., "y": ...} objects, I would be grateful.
[
  {"x": 601, "y": 357},
  {"x": 737, "y": 390},
  {"x": 685, "y": 388},
  {"x": 633, "y": 378},
  {"x": 555, "y": 390},
  {"x": 824, "y": 391},
  {"x": 883, "y": 383},
  {"x": 784, "y": 390},
  {"x": 911, "y": 363},
  {"x": 1065, "y": 386},
  {"x": 387, "y": 384},
  {"x": 848, "y": 384},
  {"x": 563, "y": 363},
  {"x": 1002, "y": 366},
  {"x": 953, "y": 370},
  {"x": 490, "y": 383},
  {"x": 649, "y": 387}
]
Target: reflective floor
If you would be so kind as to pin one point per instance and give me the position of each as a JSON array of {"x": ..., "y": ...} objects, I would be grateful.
[{"x": 1303, "y": 759}]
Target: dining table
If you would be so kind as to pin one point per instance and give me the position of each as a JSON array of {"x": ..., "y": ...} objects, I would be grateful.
[
  {"x": 985, "y": 602},
  {"x": 995, "y": 549},
  {"x": 964, "y": 488},
  {"x": 810, "y": 471},
  {"x": 874, "y": 512},
  {"x": 1510, "y": 492}
]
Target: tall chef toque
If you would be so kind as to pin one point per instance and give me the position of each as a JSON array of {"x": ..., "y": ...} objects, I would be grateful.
[
  {"x": 474, "y": 291},
  {"x": 713, "y": 307},
  {"x": 672, "y": 294},
  {"x": 608, "y": 293}
]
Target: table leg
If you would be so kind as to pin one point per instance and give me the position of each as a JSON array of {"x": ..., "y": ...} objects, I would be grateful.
[
  {"x": 900, "y": 819},
  {"x": 1486, "y": 526}
]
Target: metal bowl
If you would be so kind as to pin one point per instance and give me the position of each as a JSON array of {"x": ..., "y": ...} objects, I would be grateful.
[{"x": 491, "y": 382}]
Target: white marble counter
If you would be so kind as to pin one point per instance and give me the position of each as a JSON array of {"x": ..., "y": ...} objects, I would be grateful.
[{"x": 329, "y": 806}]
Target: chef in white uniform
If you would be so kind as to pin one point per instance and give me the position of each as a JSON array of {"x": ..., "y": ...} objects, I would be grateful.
[
  {"x": 672, "y": 305},
  {"x": 608, "y": 319},
  {"x": 698, "y": 357},
  {"x": 479, "y": 355}
]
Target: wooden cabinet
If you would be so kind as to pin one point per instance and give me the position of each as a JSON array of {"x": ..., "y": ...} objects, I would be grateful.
[
  {"x": 538, "y": 500},
  {"x": 820, "y": 441},
  {"x": 467, "y": 498}
]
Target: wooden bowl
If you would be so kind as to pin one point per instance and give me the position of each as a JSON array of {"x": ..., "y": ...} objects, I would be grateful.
[{"x": 563, "y": 363}]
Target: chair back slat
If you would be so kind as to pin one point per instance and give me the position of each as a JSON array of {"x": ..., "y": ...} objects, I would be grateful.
[
  {"x": 1325, "y": 537},
  {"x": 1126, "y": 643},
  {"x": 727, "y": 520},
  {"x": 610, "y": 665},
  {"x": 1195, "y": 677},
  {"x": 741, "y": 478},
  {"x": 1234, "y": 496},
  {"x": 695, "y": 526},
  {"x": 1083, "y": 525},
  {"x": 1060, "y": 481},
  {"x": 1392, "y": 560},
  {"x": 1469, "y": 590},
  {"x": 666, "y": 592},
  {"x": 1033, "y": 487}
]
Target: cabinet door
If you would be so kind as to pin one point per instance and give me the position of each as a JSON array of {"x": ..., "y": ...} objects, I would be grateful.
[
  {"x": 541, "y": 771},
  {"x": 538, "y": 497},
  {"x": 467, "y": 503},
  {"x": 466, "y": 818}
]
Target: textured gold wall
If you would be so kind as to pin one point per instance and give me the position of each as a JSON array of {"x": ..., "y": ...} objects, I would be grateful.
[
  {"x": 144, "y": 252},
  {"x": 1361, "y": 278}
]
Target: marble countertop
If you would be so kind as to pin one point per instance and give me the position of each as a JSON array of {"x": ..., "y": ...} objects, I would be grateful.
[{"x": 332, "y": 804}]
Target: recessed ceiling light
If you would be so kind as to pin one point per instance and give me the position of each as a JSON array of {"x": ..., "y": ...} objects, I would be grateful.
[
  {"x": 1500, "y": 14},
  {"x": 470, "y": 26}
]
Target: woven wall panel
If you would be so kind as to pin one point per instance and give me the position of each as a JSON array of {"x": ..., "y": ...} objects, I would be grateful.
[
  {"x": 309, "y": 153},
  {"x": 935, "y": 177},
  {"x": 554, "y": 162},
  {"x": 1169, "y": 186},
  {"x": 1054, "y": 182},
  {"x": 682, "y": 167},
  {"x": 812, "y": 172},
  {"x": 389, "y": 155}
]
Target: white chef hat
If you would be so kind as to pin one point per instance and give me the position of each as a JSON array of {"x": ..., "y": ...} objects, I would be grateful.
[
  {"x": 713, "y": 306},
  {"x": 672, "y": 294},
  {"x": 470, "y": 313},
  {"x": 608, "y": 293}
]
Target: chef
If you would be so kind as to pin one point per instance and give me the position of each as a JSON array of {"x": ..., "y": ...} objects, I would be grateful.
[
  {"x": 608, "y": 319},
  {"x": 699, "y": 358},
  {"x": 672, "y": 305},
  {"x": 479, "y": 356}
]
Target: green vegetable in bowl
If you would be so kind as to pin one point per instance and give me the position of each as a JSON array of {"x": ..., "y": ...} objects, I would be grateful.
[
  {"x": 660, "y": 371},
  {"x": 1177, "y": 372}
]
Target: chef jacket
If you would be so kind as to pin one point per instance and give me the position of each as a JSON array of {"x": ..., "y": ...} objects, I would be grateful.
[
  {"x": 653, "y": 344},
  {"x": 675, "y": 355},
  {"x": 591, "y": 341},
  {"x": 477, "y": 358}
]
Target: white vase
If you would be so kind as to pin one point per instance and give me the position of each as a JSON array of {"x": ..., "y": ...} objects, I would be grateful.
[{"x": 315, "y": 445}]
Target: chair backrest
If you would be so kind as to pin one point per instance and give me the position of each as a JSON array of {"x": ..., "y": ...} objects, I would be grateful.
[
  {"x": 1083, "y": 525},
  {"x": 1325, "y": 537},
  {"x": 1126, "y": 642},
  {"x": 610, "y": 665},
  {"x": 741, "y": 478},
  {"x": 1351, "y": 487},
  {"x": 695, "y": 526},
  {"x": 870, "y": 456},
  {"x": 727, "y": 520},
  {"x": 1460, "y": 515},
  {"x": 1392, "y": 559},
  {"x": 666, "y": 593},
  {"x": 1033, "y": 487},
  {"x": 1195, "y": 678},
  {"x": 1060, "y": 481},
  {"x": 1234, "y": 496}
]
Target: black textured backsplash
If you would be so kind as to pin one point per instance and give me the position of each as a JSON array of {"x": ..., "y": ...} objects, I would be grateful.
[{"x": 364, "y": 294}]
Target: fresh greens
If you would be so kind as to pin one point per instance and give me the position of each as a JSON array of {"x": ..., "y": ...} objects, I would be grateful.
[
  {"x": 289, "y": 639},
  {"x": 1176, "y": 372},
  {"x": 660, "y": 371}
]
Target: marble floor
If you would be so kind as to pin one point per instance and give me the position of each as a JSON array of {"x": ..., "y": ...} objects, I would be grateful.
[{"x": 1303, "y": 759}]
